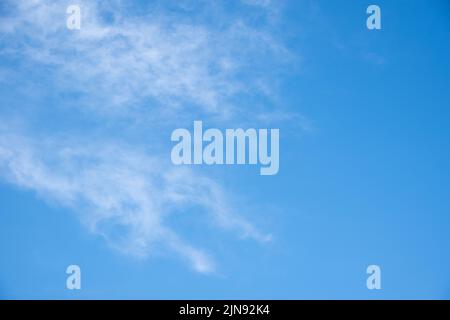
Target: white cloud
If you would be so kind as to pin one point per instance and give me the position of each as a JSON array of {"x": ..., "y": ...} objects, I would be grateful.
[
  {"x": 122, "y": 194},
  {"x": 154, "y": 66},
  {"x": 173, "y": 61}
]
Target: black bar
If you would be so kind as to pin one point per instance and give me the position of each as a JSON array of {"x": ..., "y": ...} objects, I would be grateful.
[{"x": 231, "y": 309}]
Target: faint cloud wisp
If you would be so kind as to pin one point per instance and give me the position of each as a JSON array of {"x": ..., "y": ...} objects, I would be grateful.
[{"x": 167, "y": 67}]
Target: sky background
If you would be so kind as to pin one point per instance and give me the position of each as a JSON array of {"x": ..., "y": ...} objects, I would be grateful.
[{"x": 85, "y": 170}]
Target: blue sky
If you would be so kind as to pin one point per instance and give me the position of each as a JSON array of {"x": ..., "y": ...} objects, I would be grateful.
[{"x": 85, "y": 170}]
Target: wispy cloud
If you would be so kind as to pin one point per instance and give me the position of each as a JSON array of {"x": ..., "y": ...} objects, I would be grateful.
[
  {"x": 122, "y": 194},
  {"x": 159, "y": 66},
  {"x": 177, "y": 63}
]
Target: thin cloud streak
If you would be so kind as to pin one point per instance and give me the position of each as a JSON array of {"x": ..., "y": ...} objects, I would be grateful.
[
  {"x": 124, "y": 195},
  {"x": 175, "y": 64}
]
